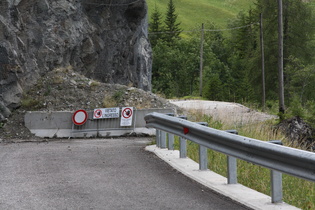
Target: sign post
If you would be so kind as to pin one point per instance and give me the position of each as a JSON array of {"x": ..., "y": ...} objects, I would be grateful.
[{"x": 126, "y": 116}]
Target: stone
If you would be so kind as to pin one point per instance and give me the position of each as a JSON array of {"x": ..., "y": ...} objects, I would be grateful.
[{"x": 106, "y": 43}]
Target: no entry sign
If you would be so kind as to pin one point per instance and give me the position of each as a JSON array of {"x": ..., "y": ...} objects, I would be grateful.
[
  {"x": 126, "y": 116},
  {"x": 79, "y": 117}
]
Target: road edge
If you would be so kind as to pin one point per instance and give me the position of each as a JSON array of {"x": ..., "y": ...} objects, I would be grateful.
[{"x": 218, "y": 183}]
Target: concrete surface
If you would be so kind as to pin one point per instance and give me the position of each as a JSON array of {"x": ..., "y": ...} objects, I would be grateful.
[
  {"x": 97, "y": 174},
  {"x": 226, "y": 112},
  {"x": 60, "y": 125},
  {"x": 218, "y": 183}
]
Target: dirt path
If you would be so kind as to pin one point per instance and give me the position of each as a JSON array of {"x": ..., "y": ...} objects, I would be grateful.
[{"x": 226, "y": 112}]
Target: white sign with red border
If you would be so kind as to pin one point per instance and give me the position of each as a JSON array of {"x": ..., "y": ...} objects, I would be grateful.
[
  {"x": 79, "y": 117},
  {"x": 106, "y": 113},
  {"x": 126, "y": 116}
]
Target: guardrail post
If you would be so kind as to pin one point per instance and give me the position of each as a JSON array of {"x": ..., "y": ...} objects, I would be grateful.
[
  {"x": 232, "y": 165},
  {"x": 203, "y": 153},
  {"x": 276, "y": 181},
  {"x": 182, "y": 143},
  {"x": 203, "y": 158},
  {"x": 158, "y": 138},
  {"x": 232, "y": 170},
  {"x": 163, "y": 139},
  {"x": 170, "y": 137},
  {"x": 276, "y": 186},
  {"x": 171, "y": 141},
  {"x": 182, "y": 147}
]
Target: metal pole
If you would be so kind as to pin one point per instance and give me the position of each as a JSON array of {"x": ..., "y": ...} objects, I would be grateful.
[
  {"x": 203, "y": 158},
  {"x": 163, "y": 139},
  {"x": 201, "y": 59},
  {"x": 276, "y": 186},
  {"x": 171, "y": 141},
  {"x": 280, "y": 57},
  {"x": 232, "y": 170},
  {"x": 262, "y": 63},
  {"x": 182, "y": 147},
  {"x": 232, "y": 164},
  {"x": 158, "y": 138}
]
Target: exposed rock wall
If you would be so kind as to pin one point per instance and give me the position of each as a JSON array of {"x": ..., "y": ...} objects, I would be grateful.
[{"x": 103, "y": 39}]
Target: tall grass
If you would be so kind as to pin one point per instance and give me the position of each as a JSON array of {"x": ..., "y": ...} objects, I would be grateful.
[{"x": 296, "y": 191}]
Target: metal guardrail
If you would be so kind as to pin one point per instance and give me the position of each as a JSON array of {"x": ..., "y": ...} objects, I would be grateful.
[{"x": 278, "y": 158}]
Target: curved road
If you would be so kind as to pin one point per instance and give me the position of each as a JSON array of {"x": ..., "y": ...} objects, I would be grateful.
[{"x": 97, "y": 174}]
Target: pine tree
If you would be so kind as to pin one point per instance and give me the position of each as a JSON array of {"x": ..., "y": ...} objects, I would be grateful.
[
  {"x": 172, "y": 27},
  {"x": 155, "y": 26}
]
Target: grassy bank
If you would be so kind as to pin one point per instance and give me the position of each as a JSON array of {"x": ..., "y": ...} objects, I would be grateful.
[
  {"x": 192, "y": 14},
  {"x": 297, "y": 192}
]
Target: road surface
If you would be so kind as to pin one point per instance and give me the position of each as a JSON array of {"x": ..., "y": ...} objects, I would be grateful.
[{"x": 97, "y": 174}]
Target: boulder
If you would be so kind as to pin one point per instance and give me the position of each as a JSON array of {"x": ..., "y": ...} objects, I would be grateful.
[{"x": 103, "y": 40}]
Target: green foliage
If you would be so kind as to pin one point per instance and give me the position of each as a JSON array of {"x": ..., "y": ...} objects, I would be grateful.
[
  {"x": 296, "y": 191},
  {"x": 296, "y": 108},
  {"x": 232, "y": 60},
  {"x": 192, "y": 13},
  {"x": 175, "y": 68},
  {"x": 172, "y": 27},
  {"x": 118, "y": 96},
  {"x": 156, "y": 26},
  {"x": 30, "y": 104}
]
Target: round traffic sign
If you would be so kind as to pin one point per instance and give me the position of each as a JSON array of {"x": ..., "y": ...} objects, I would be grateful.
[
  {"x": 98, "y": 113},
  {"x": 126, "y": 113},
  {"x": 79, "y": 117}
]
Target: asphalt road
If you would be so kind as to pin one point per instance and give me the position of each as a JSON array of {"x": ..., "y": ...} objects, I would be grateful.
[{"x": 97, "y": 174}]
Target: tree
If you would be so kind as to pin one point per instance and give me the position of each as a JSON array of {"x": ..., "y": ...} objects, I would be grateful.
[
  {"x": 155, "y": 27},
  {"x": 175, "y": 67},
  {"x": 298, "y": 32},
  {"x": 172, "y": 27}
]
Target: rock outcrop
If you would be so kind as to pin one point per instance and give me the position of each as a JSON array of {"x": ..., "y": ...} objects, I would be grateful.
[
  {"x": 102, "y": 39},
  {"x": 299, "y": 132}
]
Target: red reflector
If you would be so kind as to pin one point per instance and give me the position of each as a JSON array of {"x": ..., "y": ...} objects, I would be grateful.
[{"x": 186, "y": 130}]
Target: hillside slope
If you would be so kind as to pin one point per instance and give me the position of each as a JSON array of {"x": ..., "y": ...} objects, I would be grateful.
[
  {"x": 64, "y": 89},
  {"x": 192, "y": 13}
]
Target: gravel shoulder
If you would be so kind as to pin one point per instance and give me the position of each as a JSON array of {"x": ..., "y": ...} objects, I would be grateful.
[{"x": 226, "y": 112}]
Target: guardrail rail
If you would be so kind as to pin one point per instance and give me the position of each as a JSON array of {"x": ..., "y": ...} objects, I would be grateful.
[{"x": 280, "y": 159}]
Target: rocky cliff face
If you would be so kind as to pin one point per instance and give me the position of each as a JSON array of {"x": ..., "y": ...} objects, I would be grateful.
[{"x": 102, "y": 39}]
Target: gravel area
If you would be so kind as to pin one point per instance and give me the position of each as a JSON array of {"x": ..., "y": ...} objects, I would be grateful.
[{"x": 226, "y": 112}]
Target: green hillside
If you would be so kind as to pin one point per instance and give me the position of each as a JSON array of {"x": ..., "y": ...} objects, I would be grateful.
[{"x": 192, "y": 13}]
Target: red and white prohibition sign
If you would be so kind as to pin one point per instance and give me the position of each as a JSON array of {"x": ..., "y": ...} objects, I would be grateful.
[
  {"x": 126, "y": 113},
  {"x": 126, "y": 116},
  {"x": 79, "y": 117},
  {"x": 98, "y": 113}
]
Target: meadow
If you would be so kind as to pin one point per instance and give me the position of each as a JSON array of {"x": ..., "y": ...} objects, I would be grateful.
[{"x": 192, "y": 13}]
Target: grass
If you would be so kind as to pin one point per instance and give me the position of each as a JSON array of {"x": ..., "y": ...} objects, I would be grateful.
[
  {"x": 192, "y": 14},
  {"x": 29, "y": 103},
  {"x": 297, "y": 192}
]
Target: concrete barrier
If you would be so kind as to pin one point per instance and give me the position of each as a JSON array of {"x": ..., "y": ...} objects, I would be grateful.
[{"x": 60, "y": 125}]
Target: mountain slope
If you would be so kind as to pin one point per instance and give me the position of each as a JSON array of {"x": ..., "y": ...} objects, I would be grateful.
[{"x": 192, "y": 13}]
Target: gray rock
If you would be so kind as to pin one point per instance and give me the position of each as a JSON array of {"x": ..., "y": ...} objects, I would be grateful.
[{"x": 103, "y": 42}]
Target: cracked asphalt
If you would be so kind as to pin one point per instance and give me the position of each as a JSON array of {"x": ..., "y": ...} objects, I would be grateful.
[{"x": 97, "y": 174}]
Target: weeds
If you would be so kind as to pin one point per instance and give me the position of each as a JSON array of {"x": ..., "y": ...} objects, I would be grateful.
[
  {"x": 109, "y": 101},
  {"x": 296, "y": 191},
  {"x": 30, "y": 103}
]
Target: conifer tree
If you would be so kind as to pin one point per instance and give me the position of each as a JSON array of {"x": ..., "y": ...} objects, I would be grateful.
[
  {"x": 155, "y": 26},
  {"x": 172, "y": 27}
]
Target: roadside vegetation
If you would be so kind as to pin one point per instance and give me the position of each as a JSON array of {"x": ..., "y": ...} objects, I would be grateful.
[
  {"x": 229, "y": 47},
  {"x": 231, "y": 53},
  {"x": 296, "y": 191}
]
